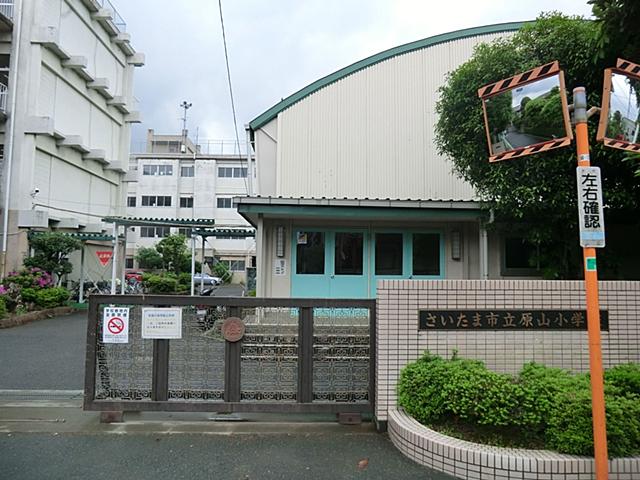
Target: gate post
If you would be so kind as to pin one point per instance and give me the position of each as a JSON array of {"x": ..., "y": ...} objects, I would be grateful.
[
  {"x": 160, "y": 380},
  {"x": 305, "y": 355},
  {"x": 232, "y": 359}
]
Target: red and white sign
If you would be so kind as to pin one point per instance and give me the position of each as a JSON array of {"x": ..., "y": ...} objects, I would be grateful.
[
  {"x": 104, "y": 256},
  {"x": 115, "y": 325}
]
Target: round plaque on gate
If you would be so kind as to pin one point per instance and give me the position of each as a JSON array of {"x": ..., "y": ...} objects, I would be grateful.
[{"x": 233, "y": 329}]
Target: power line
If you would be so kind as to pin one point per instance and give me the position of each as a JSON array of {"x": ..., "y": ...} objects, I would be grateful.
[{"x": 233, "y": 105}]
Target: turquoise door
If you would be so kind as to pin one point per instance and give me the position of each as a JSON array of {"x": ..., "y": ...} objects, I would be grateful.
[{"x": 330, "y": 264}]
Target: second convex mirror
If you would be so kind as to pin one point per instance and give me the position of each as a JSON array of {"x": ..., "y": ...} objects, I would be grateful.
[
  {"x": 526, "y": 113},
  {"x": 620, "y": 116}
]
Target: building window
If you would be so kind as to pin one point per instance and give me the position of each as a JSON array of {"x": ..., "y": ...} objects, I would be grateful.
[
  {"x": 225, "y": 202},
  {"x": 388, "y": 254},
  {"x": 184, "y": 231},
  {"x": 348, "y": 253},
  {"x": 225, "y": 172},
  {"x": 232, "y": 172},
  {"x": 153, "y": 232},
  {"x": 518, "y": 257},
  {"x": 162, "y": 170},
  {"x": 174, "y": 147},
  {"x": 310, "y": 253},
  {"x": 186, "y": 202},
  {"x": 131, "y": 201},
  {"x": 187, "y": 171},
  {"x": 128, "y": 262},
  {"x": 426, "y": 254},
  {"x": 156, "y": 201}
]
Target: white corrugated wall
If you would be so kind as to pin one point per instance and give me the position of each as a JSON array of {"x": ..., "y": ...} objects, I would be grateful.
[{"x": 371, "y": 134}]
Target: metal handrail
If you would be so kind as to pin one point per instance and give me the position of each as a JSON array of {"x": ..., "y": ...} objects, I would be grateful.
[{"x": 6, "y": 8}]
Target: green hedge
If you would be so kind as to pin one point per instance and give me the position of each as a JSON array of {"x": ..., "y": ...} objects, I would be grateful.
[{"x": 544, "y": 405}]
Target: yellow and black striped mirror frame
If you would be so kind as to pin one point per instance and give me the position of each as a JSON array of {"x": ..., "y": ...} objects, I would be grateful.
[
  {"x": 530, "y": 76},
  {"x": 623, "y": 67}
]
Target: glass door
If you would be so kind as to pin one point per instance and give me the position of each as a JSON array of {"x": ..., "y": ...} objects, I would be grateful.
[{"x": 349, "y": 278}]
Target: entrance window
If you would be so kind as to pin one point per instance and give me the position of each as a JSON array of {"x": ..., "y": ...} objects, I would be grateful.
[
  {"x": 348, "y": 259},
  {"x": 518, "y": 256},
  {"x": 426, "y": 254},
  {"x": 310, "y": 253},
  {"x": 388, "y": 254}
]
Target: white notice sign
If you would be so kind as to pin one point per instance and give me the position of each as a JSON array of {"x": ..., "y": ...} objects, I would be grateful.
[
  {"x": 279, "y": 267},
  {"x": 115, "y": 325},
  {"x": 591, "y": 217},
  {"x": 162, "y": 323}
]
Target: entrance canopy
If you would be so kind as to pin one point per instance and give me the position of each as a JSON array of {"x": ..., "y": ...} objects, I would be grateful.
[{"x": 357, "y": 209}]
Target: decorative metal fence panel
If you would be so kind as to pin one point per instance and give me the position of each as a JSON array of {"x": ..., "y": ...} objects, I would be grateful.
[{"x": 302, "y": 355}]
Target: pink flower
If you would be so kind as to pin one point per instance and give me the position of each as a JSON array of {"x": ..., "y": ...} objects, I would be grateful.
[{"x": 3, "y": 290}]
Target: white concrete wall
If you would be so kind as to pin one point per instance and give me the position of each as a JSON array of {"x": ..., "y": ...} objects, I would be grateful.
[{"x": 71, "y": 186}]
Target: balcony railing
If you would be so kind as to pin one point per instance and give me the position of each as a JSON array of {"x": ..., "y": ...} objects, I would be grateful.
[
  {"x": 118, "y": 21},
  {"x": 6, "y": 9},
  {"x": 3, "y": 98}
]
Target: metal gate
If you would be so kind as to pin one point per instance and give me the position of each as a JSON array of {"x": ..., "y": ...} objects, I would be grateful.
[{"x": 296, "y": 355}]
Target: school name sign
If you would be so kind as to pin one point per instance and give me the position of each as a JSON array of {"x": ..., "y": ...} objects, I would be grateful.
[{"x": 507, "y": 320}]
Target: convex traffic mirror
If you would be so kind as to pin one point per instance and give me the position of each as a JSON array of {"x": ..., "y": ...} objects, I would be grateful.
[
  {"x": 526, "y": 113},
  {"x": 620, "y": 116}
]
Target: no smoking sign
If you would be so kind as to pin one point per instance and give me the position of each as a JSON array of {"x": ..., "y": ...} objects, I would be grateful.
[{"x": 115, "y": 325}]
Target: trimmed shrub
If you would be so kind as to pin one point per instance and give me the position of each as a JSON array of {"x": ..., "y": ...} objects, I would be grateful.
[
  {"x": 540, "y": 404},
  {"x": 3, "y": 308},
  {"x": 51, "y": 297},
  {"x": 626, "y": 377},
  {"x": 158, "y": 284},
  {"x": 29, "y": 295}
]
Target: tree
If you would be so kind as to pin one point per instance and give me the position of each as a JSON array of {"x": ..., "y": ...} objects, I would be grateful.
[
  {"x": 534, "y": 196},
  {"x": 175, "y": 257},
  {"x": 618, "y": 37},
  {"x": 149, "y": 259},
  {"x": 51, "y": 253}
]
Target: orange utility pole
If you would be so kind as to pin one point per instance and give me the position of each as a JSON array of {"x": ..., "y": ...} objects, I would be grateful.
[{"x": 593, "y": 308}]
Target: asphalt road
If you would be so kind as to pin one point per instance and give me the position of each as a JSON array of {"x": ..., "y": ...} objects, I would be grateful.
[
  {"x": 231, "y": 457},
  {"x": 49, "y": 354},
  {"x": 44, "y": 355}
]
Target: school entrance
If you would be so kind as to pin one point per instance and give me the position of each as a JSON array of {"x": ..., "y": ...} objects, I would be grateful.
[{"x": 179, "y": 353}]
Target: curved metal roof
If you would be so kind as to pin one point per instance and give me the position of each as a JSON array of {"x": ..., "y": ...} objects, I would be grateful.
[{"x": 273, "y": 112}]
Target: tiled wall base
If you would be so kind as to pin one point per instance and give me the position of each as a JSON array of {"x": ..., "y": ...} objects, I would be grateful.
[
  {"x": 399, "y": 340},
  {"x": 471, "y": 461}
]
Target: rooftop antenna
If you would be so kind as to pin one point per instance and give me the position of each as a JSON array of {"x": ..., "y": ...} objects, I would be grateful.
[{"x": 186, "y": 106}]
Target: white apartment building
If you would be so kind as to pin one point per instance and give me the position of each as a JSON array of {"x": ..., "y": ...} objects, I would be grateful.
[
  {"x": 168, "y": 185},
  {"x": 67, "y": 103}
]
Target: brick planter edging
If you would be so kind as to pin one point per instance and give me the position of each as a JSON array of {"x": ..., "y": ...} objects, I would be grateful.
[
  {"x": 15, "y": 320},
  {"x": 472, "y": 461}
]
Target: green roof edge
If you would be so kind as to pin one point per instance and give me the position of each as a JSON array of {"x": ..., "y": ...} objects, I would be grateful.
[{"x": 273, "y": 112}]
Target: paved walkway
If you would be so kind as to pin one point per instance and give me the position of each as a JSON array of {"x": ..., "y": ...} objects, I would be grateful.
[
  {"x": 55, "y": 439},
  {"x": 47, "y": 435},
  {"x": 45, "y": 354}
]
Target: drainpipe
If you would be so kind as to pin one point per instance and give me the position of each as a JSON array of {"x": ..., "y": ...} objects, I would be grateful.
[
  {"x": 249, "y": 161},
  {"x": 484, "y": 247},
  {"x": 13, "y": 82}
]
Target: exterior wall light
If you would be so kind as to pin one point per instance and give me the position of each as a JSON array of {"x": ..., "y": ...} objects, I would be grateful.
[
  {"x": 280, "y": 241},
  {"x": 456, "y": 245}
]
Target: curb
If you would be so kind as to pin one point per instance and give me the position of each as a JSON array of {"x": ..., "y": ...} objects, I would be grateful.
[{"x": 17, "y": 320}]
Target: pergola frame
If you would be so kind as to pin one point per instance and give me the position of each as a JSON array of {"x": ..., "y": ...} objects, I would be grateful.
[{"x": 200, "y": 227}]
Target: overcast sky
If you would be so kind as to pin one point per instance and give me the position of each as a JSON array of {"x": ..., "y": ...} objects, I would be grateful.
[{"x": 277, "y": 47}]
